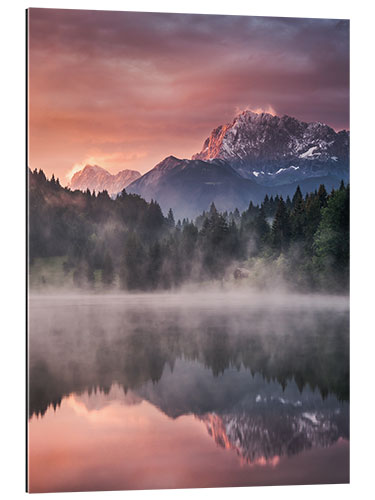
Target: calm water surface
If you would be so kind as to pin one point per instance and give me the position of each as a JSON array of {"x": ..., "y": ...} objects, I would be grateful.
[{"x": 189, "y": 390}]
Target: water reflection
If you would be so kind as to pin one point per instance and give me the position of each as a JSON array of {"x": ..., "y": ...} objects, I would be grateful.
[{"x": 260, "y": 385}]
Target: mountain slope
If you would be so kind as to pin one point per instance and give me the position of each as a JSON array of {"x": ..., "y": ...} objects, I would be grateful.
[
  {"x": 256, "y": 154},
  {"x": 190, "y": 186},
  {"x": 275, "y": 150},
  {"x": 97, "y": 178}
]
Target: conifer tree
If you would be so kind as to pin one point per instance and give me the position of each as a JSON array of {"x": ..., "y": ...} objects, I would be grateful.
[
  {"x": 288, "y": 203},
  {"x": 298, "y": 216},
  {"x": 313, "y": 217},
  {"x": 42, "y": 176},
  {"x": 236, "y": 215},
  {"x": 322, "y": 195},
  {"x": 262, "y": 227},
  {"x": 297, "y": 197},
  {"x": 170, "y": 219},
  {"x": 213, "y": 210},
  {"x": 281, "y": 227}
]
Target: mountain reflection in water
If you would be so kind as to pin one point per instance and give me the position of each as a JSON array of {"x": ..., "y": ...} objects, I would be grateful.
[{"x": 238, "y": 385}]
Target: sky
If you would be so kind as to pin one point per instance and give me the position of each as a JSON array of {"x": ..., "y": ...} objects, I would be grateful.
[{"x": 123, "y": 90}]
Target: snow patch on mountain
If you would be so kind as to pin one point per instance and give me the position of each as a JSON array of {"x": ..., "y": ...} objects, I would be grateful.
[
  {"x": 286, "y": 169},
  {"x": 309, "y": 152}
]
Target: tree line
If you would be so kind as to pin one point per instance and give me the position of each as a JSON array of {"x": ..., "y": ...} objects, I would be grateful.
[{"x": 127, "y": 242}]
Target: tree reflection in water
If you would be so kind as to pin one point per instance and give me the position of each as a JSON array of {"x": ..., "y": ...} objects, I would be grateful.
[{"x": 265, "y": 381}]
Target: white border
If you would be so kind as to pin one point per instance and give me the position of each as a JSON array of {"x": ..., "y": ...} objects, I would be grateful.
[{"x": 362, "y": 257}]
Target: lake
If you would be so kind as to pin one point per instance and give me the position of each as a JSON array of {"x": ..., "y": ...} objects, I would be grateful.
[{"x": 191, "y": 389}]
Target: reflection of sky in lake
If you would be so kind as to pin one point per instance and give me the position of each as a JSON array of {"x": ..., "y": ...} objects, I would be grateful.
[{"x": 135, "y": 401}]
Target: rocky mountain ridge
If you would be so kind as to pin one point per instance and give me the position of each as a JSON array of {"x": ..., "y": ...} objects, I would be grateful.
[
  {"x": 97, "y": 178},
  {"x": 275, "y": 150}
]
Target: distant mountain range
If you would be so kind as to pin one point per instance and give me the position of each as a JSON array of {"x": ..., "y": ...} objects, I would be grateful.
[
  {"x": 97, "y": 178},
  {"x": 242, "y": 161},
  {"x": 255, "y": 155}
]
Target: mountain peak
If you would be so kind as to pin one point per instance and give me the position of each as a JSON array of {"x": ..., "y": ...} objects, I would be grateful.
[
  {"x": 93, "y": 168},
  {"x": 258, "y": 145},
  {"x": 249, "y": 113},
  {"x": 168, "y": 163},
  {"x": 255, "y": 154},
  {"x": 96, "y": 178}
]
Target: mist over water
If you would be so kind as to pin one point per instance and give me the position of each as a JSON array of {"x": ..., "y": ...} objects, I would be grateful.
[{"x": 260, "y": 378}]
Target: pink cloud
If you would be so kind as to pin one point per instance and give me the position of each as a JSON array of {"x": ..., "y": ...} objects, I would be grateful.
[{"x": 124, "y": 83}]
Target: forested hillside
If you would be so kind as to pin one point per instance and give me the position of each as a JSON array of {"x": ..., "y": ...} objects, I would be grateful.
[{"x": 92, "y": 241}]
